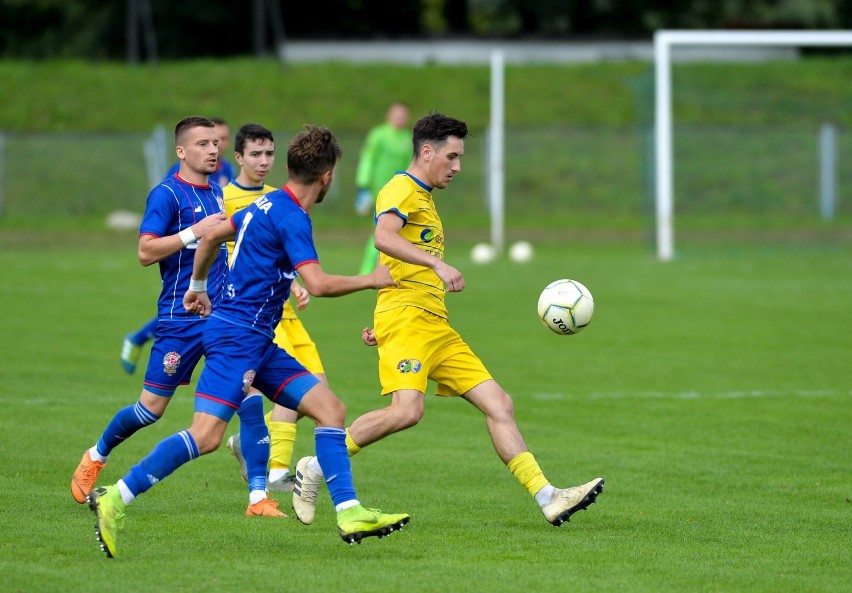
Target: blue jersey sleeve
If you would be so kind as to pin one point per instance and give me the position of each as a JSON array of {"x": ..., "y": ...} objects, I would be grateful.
[{"x": 161, "y": 212}]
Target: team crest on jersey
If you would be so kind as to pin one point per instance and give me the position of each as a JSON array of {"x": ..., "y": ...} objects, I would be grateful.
[
  {"x": 221, "y": 202},
  {"x": 409, "y": 366},
  {"x": 171, "y": 362},
  {"x": 427, "y": 235},
  {"x": 248, "y": 379}
]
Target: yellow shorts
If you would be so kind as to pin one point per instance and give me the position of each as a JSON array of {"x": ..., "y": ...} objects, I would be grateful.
[
  {"x": 416, "y": 345},
  {"x": 291, "y": 335}
]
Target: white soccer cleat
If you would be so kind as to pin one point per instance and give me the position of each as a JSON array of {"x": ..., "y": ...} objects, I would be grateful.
[
  {"x": 567, "y": 501},
  {"x": 305, "y": 491}
]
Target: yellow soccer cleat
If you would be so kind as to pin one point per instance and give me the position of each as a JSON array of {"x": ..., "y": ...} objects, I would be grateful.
[
  {"x": 305, "y": 491},
  {"x": 130, "y": 352},
  {"x": 356, "y": 523},
  {"x": 264, "y": 508},
  {"x": 567, "y": 501},
  {"x": 108, "y": 507},
  {"x": 84, "y": 477}
]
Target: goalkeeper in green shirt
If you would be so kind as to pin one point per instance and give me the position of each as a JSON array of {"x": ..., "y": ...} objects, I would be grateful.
[{"x": 386, "y": 150}]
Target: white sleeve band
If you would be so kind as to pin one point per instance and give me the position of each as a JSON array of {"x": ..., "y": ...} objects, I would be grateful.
[
  {"x": 187, "y": 236},
  {"x": 198, "y": 285}
]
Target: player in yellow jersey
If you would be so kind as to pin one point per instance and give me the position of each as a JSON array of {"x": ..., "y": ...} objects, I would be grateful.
[
  {"x": 415, "y": 340},
  {"x": 255, "y": 154}
]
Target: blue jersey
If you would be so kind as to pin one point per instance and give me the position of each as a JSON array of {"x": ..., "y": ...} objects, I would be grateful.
[
  {"x": 173, "y": 206},
  {"x": 274, "y": 238}
]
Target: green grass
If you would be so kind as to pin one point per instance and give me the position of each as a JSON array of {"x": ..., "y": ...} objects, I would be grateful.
[{"x": 712, "y": 393}]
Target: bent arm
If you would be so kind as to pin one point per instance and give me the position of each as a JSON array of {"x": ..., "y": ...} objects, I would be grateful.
[
  {"x": 390, "y": 242},
  {"x": 153, "y": 249},
  {"x": 321, "y": 284},
  {"x": 208, "y": 249}
]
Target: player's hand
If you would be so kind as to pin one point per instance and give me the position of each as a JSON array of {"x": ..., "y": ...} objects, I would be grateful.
[
  {"x": 302, "y": 296},
  {"x": 368, "y": 336},
  {"x": 207, "y": 223},
  {"x": 197, "y": 302},
  {"x": 382, "y": 277},
  {"x": 453, "y": 279}
]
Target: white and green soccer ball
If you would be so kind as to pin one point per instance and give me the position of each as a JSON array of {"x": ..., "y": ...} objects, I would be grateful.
[{"x": 566, "y": 307}]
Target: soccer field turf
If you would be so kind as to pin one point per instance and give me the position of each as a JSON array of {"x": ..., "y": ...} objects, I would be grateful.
[{"x": 712, "y": 393}]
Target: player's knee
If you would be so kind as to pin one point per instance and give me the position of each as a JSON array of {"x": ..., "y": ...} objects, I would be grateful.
[
  {"x": 502, "y": 408},
  {"x": 332, "y": 412},
  {"x": 408, "y": 416},
  {"x": 207, "y": 443}
]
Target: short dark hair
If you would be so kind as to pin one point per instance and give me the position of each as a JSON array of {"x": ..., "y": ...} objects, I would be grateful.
[
  {"x": 218, "y": 121},
  {"x": 434, "y": 129},
  {"x": 189, "y": 122},
  {"x": 311, "y": 153},
  {"x": 253, "y": 132}
]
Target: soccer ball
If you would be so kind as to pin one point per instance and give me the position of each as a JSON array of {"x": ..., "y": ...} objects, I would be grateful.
[
  {"x": 566, "y": 306},
  {"x": 521, "y": 252},
  {"x": 483, "y": 253}
]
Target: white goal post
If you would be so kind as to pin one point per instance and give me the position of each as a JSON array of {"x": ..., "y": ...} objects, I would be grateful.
[{"x": 664, "y": 41}]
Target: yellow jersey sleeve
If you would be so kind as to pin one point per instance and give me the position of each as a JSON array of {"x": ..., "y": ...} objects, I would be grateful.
[{"x": 416, "y": 286}]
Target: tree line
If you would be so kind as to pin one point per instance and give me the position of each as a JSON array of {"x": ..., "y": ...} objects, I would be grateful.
[{"x": 116, "y": 30}]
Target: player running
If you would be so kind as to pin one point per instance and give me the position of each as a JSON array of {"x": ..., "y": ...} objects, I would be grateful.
[{"x": 273, "y": 240}]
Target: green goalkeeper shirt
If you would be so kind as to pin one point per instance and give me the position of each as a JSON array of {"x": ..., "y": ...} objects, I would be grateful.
[{"x": 386, "y": 151}]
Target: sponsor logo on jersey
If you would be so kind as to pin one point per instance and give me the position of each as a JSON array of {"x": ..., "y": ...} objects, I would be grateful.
[
  {"x": 427, "y": 235},
  {"x": 248, "y": 379},
  {"x": 171, "y": 362},
  {"x": 407, "y": 365}
]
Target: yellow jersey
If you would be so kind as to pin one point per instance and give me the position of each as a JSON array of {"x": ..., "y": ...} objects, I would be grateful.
[
  {"x": 237, "y": 197},
  {"x": 416, "y": 286}
]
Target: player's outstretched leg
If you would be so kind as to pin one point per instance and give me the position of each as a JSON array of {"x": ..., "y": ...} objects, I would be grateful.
[
  {"x": 567, "y": 501},
  {"x": 84, "y": 477},
  {"x": 356, "y": 523},
  {"x": 234, "y": 446},
  {"x": 108, "y": 507},
  {"x": 305, "y": 491}
]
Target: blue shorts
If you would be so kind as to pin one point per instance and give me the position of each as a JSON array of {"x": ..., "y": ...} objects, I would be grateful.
[
  {"x": 177, "y": 348},
  {"x": 237, "y": 358}
]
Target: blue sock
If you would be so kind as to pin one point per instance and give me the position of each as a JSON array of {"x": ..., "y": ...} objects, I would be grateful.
[
  {"x": 254, "y": 441},
  {"x": 334, "y": 461},
  {"x": 126, "y": 422},
  {"x": 143, "y": 334},
  {"x": 169, "y": 454}
]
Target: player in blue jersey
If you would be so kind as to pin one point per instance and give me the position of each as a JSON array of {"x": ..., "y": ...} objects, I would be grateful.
[
  {"x": 131, "y": 348},
  {"x": 179, "y": 212},
  {"x": 273, "y": 241}
]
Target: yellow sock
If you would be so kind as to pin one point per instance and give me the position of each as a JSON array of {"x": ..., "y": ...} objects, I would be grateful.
[
  {"x": 282, "y": 439},
  {"x": 351, "y": 447},
  {"x": 526, "y": 471}
]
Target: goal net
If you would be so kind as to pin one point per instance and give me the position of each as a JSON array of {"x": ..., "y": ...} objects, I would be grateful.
[{"x": 749, "y": 149}]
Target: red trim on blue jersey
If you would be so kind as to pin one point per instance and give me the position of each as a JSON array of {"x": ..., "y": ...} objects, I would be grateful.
[
  {"x": 307, "y": 261},
  {"x": 164, "y": 387},
  {"x": 290, "y": 193},
  {"x": 182, "y": 180},
  {"x": 285, "y": 383},
  {"x": 216, "y": 399}
]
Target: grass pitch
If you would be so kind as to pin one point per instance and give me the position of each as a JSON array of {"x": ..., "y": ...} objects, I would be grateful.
[{"x": 712, "y": 393}]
